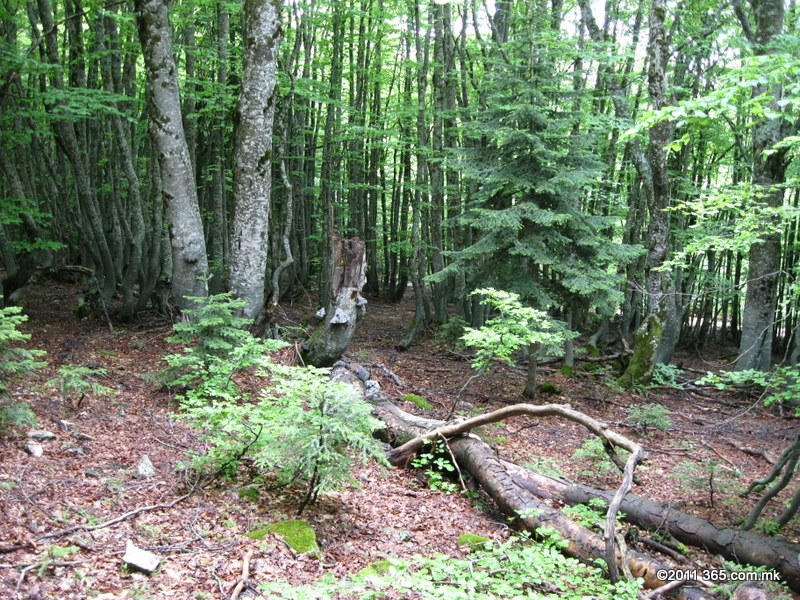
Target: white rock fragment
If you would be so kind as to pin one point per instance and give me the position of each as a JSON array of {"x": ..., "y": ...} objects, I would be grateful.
[
  {"x": 41, "y": 435},
  {"x": 34, "y": 449},
  {"x": 145, "y": 468},
  {"x": 139, "y": 559}
]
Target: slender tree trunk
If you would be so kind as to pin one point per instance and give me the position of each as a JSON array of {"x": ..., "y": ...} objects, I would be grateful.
[
  {"x": 189, "y": 261},
  {"x": 769, "y": 175},
  {"x": 253, "y": 160}
]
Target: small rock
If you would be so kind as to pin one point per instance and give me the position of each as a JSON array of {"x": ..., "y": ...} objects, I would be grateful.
[
  {"x": 362, "y": 374},
  {"x": 41, "y": 435},
  {"x": 145, "y": 468},
  {"x": 82, "y": 437},
  {"x": 339, "y": 364},
  {"x": 139, "y": 559},
  {"x": 34, "y": 449},
  {"x": 64, "y": 425},
  {"x": 372, "y": 388}
]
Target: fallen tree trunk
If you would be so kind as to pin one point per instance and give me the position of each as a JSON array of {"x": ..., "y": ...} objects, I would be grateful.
[
  {"x": 518, "y": 501},
  {"x": 734, "y": 544}
]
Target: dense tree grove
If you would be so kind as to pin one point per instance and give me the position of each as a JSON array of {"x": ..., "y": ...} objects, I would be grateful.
[{"x": 628, "y": 167}]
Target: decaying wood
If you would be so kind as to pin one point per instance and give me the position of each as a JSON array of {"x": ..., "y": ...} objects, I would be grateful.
[
  {"x": 734, "y": 544},
  {"x": 237, "y": 590},
  {"x": 347, "y": 279},
  {"x": 516, "y": 500}
]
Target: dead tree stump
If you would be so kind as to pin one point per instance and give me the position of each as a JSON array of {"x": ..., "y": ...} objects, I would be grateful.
[{"x": 344, "y": 303}]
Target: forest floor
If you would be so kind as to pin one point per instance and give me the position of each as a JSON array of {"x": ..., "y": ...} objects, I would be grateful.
[{"x": 86, "y": 476}]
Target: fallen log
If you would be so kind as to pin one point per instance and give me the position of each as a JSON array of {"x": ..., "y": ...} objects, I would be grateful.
[
  {"x": 734, "y": 544},
  {"x": 518, "y": 501}
]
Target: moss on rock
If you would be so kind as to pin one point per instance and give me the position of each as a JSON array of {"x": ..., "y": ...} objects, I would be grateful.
[
  {"x": 418, "y": 400},
  {"x": 296, "y": 532},
  {"x": 472, "y": 540}
]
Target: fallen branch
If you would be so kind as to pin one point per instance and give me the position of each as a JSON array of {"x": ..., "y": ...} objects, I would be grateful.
[
  {"x": 245, "y": 575},
  {"x": 404, "y": 453},
  {"x": 516, "y": 500},
  {"x": 119, "y": 519}
]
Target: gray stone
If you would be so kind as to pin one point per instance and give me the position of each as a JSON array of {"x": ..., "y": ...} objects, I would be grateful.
[
  {"x": 41, "y": 435},
  {"x": 34, "y": 449},
  {"x": 64, "y": 425},
  {"x": 362, "y": 374},
  {"x": 145, "y": 468},
  {"x": 371, "y": 388},
  {"x": 139, "y": 559}
]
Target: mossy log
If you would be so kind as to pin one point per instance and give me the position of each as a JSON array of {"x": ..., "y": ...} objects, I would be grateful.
[{"x": 516, "y": 500}]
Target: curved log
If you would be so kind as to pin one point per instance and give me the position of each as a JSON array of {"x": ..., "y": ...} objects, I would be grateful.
[
  {"x": 519, "y": 501},
  {"x": 734, "y": 544}
]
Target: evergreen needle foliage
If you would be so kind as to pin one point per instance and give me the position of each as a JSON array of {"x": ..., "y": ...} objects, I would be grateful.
[
  {"x": 303, "y": 427},
  {"x": 15, "y": 362}
]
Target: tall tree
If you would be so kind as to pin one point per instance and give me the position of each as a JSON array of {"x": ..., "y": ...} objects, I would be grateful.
[
  {"x": 769, "y": 177},
  {"x": 189, "y": 261},
  {"x": 253, "y": 160}
]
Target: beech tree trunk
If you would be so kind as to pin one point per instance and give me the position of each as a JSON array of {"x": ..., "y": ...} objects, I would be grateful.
[
  {"x": 347, "y": 278},
  {"x": 189, "y": 260},
  {"x": 769, "y": 177},
  {"x": 253, "y": 160}
]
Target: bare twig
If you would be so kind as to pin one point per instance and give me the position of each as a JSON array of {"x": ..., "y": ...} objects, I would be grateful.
[
  {"x": 119, "y": 519},
  {"x": 245, "y": 574}
]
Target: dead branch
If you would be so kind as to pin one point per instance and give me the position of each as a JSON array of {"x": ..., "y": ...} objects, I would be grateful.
[
  {"x": 402, "y": 454},
  {"x": 119, "y": 519},
  {"x": 245, "y": 575}
]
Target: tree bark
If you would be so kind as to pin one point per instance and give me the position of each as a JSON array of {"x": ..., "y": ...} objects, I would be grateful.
[
  {"x": 769, "y": 175},
  {"x": 734, "y": 544},
  {"x": 253, "y": 160},
  {"x": 347, "y": 278},
  {"x": 189, "y": 261},
  {"x": 515, "y": 499}
]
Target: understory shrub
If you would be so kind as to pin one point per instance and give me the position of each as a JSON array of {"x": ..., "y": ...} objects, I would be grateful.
[
  {"x": 303, "y": 428},
  {"x": 779, "y": 387},
  {"x": 15, "y": 362},
  {"x": 518, "y": 568},
  {"x": 216, "y": 344}
]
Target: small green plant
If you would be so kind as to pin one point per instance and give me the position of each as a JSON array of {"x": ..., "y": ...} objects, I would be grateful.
[
  {"x": 593, "y": 452},
  {"x": 709, "y": 476},
  {"x": 15, "y": 362},
  {"x": 650, "y": 415},
  {"x": 305, "y": 428},
  {"x": 418, "y": 400},
  {"x": 74, "y": 382},
  {"x": 450, "y": 333},
  {"x": 779, "y": 387},
  {"x": 54, "y": 554},
  {"x": 215, "y": 346},
  {"x": 517, "y": 568},
  {"x": 665, "y": 374},
  {"x": 436, "y": 465},
  {"x": 592, "y": 515},
  {"x": 513, "y": 327}
]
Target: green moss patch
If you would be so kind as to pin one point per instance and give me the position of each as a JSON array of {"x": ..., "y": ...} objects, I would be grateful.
[
  {"x": 418, "y": 400},
  {"x": 381, "y": 567},
  {"x": 473, "y": 541},
  {"x": 295, "y": 532}
]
